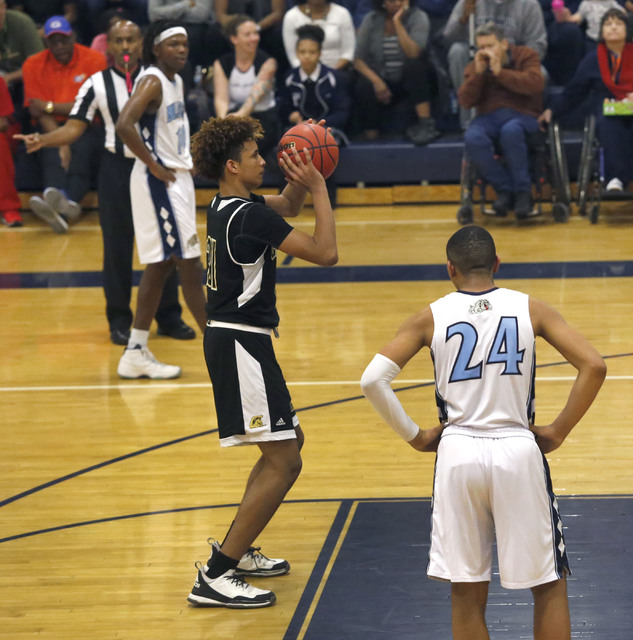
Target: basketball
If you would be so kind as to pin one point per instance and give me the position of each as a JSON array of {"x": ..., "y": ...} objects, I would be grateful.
[{"x": 318, "y": 140}]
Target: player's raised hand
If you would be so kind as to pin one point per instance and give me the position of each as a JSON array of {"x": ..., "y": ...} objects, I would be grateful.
[{"x": 300, "y": 170}]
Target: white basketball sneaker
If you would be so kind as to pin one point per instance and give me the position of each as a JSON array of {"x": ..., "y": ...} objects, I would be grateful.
[
  {"x": 60, "y": 203},
  {"x": 228, "y": 590},
  {"x": 139, "y": 362},
  {"x": 255, "y": 563}
]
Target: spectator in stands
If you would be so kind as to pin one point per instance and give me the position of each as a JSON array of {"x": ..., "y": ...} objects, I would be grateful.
[
  {"x": 565, "y": 41},
  {"x": 606, "y": 73},
  {"x": 392, "y": 65},
  {"x": 9, "y": 200},
  {"x": 504, "y": 83},
  {"x": 311, "y": 90},
  {"x": 91, "y": 10},
  {"x": 243, "y": 81},
  {"x": 51, "y": 81},
  {"x": 268, "y": 14},
  {"x": 19, "y": 39},
  {"x": 194, "y": 15},
  {"x": 41, "y": 10},
  {"x": 336, "y": 21},
  {"x": 522, "y": 23}
]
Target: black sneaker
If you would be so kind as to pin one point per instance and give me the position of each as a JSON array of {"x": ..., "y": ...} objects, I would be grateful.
[
  {"x": 523, "y": 205},
  {"x": 178, "y": 331},
  {"x": 228, "y": 590},
  {"x": 503, "y": 204},
  {"x": 255, "y": 563},
  {"x": 423, "y": 132}
]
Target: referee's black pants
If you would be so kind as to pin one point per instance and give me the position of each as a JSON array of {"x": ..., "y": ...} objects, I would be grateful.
[{"x": 115, "y": 217}]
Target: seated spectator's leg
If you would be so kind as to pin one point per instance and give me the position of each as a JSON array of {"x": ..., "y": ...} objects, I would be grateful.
[
  {"x": 479, "y": 144},
  {"x": 417, "y": 87},
  {"x": 53, "y": 174},
  {"x": 196, "y": 34},
  {"x": 215, "y": 44},
  {"x": 614, "y": 132},
  {"x": 138, "y": 11},
  {"x": 84, "y": 151},
  {"x": 89, "y": 14},
  {"x": 513, "y": 143},
  {"x": 566, "y": 48},
  {"x": 367, "y": 111},
  {"x": 458, "y": 58}
]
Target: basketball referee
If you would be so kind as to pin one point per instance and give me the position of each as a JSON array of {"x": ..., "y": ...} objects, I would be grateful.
[{"x": 107, "y": 92}]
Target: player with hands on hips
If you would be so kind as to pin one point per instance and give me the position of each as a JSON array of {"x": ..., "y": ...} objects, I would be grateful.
[{"x": 491, "y": 480}]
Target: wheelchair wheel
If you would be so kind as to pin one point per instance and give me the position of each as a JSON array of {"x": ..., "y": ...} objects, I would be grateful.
[
  {"x": 560, "y": 211},
  {"x": 559, "y": 170},
  {"x": 465, "y": 215},
  {"x": 594, "y": 212},
  {"x": 585, "y": 168}
]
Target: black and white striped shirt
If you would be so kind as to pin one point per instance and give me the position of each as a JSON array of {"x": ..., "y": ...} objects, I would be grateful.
[{"x": 106, "y": 92}]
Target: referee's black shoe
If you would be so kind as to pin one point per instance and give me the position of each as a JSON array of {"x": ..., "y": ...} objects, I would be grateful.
[
  {"x": 178, "y": 331},
  {"x": 119, "y": 336}
]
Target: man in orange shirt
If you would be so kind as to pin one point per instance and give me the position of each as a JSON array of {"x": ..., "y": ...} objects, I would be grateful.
[{"x": 51, "y": 81}]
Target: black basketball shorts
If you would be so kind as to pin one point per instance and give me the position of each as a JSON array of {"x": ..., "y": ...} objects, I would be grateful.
[{"x": 252, "y": 401}]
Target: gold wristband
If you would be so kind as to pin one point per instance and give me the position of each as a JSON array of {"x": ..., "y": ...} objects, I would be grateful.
[{"x": 50, "y": 107}]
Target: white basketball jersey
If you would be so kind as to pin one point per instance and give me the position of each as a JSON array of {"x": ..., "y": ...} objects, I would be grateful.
[
  {"x": 166, "y": 132},
  {"x": 483, "y": 353}
]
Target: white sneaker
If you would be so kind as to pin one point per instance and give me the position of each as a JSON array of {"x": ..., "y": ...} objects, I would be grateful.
[
  {"x": 60, "y": 203},
  {"x": 615, "y": 185},
  {"x": 228, "y": 590},
  {"x": 139, "y": 362},
  {"x": 47, "y": 214},
  {"x": 255, "y": 563}
]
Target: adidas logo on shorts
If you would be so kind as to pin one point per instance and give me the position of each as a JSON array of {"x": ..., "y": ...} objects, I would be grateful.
[{"x": 280, "y": 423}]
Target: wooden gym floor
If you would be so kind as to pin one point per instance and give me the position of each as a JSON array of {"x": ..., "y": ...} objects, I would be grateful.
[{"x": 110, "y": 488}]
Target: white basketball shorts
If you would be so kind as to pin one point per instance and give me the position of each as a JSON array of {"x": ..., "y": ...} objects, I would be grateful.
[
  {"x": 164, "y": 216},
  {"x": 495, "y": 486}
]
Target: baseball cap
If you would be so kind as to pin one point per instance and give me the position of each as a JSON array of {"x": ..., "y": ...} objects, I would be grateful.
[{"x": 57, "y": 24}]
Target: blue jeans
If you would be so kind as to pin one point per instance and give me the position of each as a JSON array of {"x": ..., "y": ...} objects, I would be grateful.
[
  {"x": 616, "y": 136},
  {"x": 508, "y": 128}
]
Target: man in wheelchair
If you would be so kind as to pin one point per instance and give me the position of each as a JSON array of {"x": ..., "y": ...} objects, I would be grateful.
[{"x": 504, "y": 83}]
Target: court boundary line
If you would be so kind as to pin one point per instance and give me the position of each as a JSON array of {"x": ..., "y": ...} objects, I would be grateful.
[
  {"x": 105, "y": 463},
  {"x": 160, "y": 512}
]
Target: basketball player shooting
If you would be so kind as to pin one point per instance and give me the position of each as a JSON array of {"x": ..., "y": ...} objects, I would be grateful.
[{"x": 252, "y": 402}]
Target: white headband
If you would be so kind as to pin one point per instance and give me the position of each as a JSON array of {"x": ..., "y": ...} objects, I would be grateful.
[{"x": 168, "y": 33}]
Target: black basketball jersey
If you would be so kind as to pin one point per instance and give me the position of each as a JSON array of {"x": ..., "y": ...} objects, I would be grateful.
[{"x": 242, "y": 240}]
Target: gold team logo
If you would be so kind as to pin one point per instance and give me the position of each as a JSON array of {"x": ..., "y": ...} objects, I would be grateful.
[
  {"x": 256, "y": 422},
  {"x": 480, "y": 306}
]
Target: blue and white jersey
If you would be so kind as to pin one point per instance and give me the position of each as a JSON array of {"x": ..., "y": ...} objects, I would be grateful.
[
  {"x": 166, "y": 132},
  {"x": 484, "y": 359}
]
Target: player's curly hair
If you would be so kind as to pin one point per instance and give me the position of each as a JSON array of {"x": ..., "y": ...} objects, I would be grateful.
[
  {"x": 471, "y": 249},
  {"x": 222, "y": 139}
]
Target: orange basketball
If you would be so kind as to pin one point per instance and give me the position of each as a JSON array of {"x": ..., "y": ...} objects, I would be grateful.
[{"x": 318, "y": 140}]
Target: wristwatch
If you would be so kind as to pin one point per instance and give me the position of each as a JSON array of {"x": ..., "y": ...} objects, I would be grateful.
[{"x": 49, "y": 108}]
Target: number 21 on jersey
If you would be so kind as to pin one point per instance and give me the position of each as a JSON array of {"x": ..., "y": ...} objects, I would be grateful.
[{"x": 504, "y": 350}]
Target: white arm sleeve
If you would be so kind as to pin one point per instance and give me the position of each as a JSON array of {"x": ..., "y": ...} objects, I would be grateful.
[{"x": 376, "y": 385}]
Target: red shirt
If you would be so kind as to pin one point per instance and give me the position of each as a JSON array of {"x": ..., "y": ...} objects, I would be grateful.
[{"x": 47, "y": 79}]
